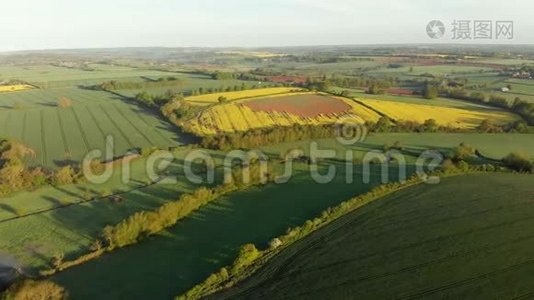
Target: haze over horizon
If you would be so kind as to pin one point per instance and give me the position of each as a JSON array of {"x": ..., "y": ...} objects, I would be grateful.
[{"x": 63, "y": 24}]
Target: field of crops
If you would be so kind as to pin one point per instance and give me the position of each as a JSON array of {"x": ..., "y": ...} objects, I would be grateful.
[
  {"x": 214, "y": 97},
  {"x": 276, "y": 111},
  {"x": 455, "y": 240},
  {"x": 14, "y": 88},
  {"x": 445, "y": 116},
  {"x": 60, "y": 135}
]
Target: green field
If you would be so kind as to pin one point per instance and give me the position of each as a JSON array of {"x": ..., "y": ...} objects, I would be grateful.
[
  {"x": 466, "y": 238},
  {"x": 42, "y": 225},
  {"x": 180, "y": 257},
  {"x": 61, "y": 135}
]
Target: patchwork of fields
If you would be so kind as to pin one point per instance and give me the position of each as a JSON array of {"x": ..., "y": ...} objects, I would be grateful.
[
  {"x": 409, "y": 241},
  {"x": 208, "y": 239},
  {"x": 281, "y": 110}
]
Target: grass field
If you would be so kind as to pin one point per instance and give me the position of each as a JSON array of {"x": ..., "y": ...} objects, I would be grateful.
[
  {"x": 466, "y": 238},
  {"x": 214, "y": 97},
  {"x": 60, "y": 135},
  {"x": 445, "y": 116},
  {"x": 281, "y": 110},
  {"x": 178, "y": 258}
]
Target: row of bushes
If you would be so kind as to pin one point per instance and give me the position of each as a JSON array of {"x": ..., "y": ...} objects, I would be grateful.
[{"x": 276, "y": 135}]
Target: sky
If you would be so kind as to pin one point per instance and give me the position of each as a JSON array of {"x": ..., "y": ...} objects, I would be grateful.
[{"x": 67, "y": 24}]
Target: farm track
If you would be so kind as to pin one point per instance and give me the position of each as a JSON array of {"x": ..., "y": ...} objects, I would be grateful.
[
  {"x": 63, "y": 136},
  {"x": 43, "y": 139},
  {"x": 119, "y": 129},
  {"x": 80, "y": 129},
  {"x": 102, "y": 133}
]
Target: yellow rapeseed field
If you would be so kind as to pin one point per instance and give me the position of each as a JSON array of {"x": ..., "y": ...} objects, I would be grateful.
[
  {"x": 214, "y": 98},
  {"x": 14, "y": 87},
  {"x": 445, "y": 116},
  {"x": 235, "y": 116}
]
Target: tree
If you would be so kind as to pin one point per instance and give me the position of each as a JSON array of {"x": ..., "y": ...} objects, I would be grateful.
[
  {"x": 431, "y": 125},
  {"x": 430, "y": 91},
  {"x": 519, "y": 162},
  {"x": 36, "y": 290},
  {"x": 222, "y": 99},
  {"x": 383, "y": 124},
  {"x": 64, "y": 102},
  {"x": 65, "y": 175},
  {"x": 462, "y": 152}
]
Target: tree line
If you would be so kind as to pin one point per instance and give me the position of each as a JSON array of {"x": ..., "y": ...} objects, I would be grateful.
[{"x": 114, "y": 85}]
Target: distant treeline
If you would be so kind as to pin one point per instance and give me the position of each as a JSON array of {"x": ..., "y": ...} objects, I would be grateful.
[
  {"x": 372, "y": 85},
  {"x": 114, "y": 85}
]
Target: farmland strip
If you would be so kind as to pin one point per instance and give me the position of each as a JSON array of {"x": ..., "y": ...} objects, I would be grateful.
[{"x": 118, "y": 127}]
